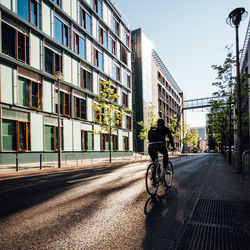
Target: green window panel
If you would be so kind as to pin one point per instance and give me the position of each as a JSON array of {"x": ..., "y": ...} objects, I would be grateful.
[
  {"x": 90, "y": 140},
  {"x": 23, "y": 92},
  {"x": 9, "y": 135},
  {"x": 49, "y": 138}
]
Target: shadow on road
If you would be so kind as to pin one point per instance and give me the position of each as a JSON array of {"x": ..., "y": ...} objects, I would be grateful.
[
  {"x": 159, "y": 211},
  {"x": 19, "y": 194}
]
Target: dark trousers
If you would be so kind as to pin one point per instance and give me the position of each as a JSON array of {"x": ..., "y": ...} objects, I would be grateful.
[{"x": 153, "y": 150}]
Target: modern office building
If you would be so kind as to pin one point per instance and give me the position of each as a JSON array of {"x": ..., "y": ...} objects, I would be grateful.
[
  {"x": 168, "y": 96},
  {"x": 244, "y": 70},
  {"x": 152, "y": 85},
  {"x": 87, "y": 41}
]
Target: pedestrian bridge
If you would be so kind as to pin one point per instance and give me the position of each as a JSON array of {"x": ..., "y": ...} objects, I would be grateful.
[{"x": 197, "y": 103}]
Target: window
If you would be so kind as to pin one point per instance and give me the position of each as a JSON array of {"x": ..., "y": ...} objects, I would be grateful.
[
  {"x": 125, "y": 143},
  {"x": 112, "y": 45},
  {"x": 103, "y": 37},
  {"x": 30, "y": 10},
  {"x": 116, "y": 27},
  {"x": 104, "y": 142},
  {"x": 16, "y": 135},
  {"x": 129, "y": 122},
  {"x": 87, "y": 140},
  {"x": 86, "y": 80},
  {"x": 15, "y": 43},
  {"x": 58, "y": 2},
  {"x": 116, "y": 72},
  {"x": 98, "y": 59},
  {"x": 80, "y": 108},
  {"x": 126, "y": 38},
  {"x": 124, "y": 55},
  {"x": 79, "y": 46},
  {"x": 53, "y": 61},
  {"x": 64, "y": 103},
  {"x": 97, "y": 6},
  {"x": 29, "y": 93},
  {"x": 51, "y": 137},
  {"x": 9, "y": 135},
  {"x": 126, "y": 79},
  {"x": 86, "y": 22},
  {"x": 62, "y": 32},
  {"x": 114, "y": 142},
  {"x": 124, "y": 99}
]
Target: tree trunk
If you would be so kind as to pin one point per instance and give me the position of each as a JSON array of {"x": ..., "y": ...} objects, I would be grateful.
[{"x": 110, "y": 158}]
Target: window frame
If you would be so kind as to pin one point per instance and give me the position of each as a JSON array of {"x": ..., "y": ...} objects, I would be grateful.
[
  {"x": 112, "y": 45},
  {"x": 26, "y": 43},
  {"x": 97, "y": 60},
  {"x": 78, "y": 107},
  {"x": 53, "y": 60},
  {"x": 38, "y": 94},
  {"x": 65, "y": 26},
  {"x": 83, "y": 77},
  {"x": 38, "y": 15},
  {"x": 117, "y": 72},
  {"x": 63, "y": 103},
  {"x": 116, "y": 26},
  {"x": 126, "y": 143},
  {"x": 83, "y": 16},
  {"x": 125, "y": 99}
]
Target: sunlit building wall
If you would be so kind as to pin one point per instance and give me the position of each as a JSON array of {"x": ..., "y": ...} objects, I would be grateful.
[
  {"x": 150, "y": 75},
  {"x": 87, "y": 41}
]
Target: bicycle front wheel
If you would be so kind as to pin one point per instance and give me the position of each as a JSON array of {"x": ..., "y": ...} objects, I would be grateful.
[
  {"x": 151, "y": 183},
  {"x": 169, "y": 176}
]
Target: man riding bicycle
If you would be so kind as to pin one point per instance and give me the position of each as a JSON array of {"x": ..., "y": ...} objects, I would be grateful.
[{"x": 157, "y": 142}]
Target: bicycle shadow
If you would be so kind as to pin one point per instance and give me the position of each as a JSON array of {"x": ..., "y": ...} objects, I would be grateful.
[
  {"x": 159, "y": 211},
  {"x": 157, "y": 200}
]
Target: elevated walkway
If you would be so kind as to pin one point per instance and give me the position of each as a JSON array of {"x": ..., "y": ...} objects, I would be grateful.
[{"x": 197, "y": 103}]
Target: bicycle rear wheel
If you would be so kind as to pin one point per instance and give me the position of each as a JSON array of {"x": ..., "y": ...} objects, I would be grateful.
[
  {"x": 168, "y": 178},
  {"x": 151, "y": 183}
]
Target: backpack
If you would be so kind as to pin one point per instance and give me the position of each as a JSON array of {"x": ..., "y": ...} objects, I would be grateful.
[{"x": 155, "y": 134}]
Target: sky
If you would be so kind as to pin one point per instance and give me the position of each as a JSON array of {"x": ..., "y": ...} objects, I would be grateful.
[{"x": 190, "y": 37}]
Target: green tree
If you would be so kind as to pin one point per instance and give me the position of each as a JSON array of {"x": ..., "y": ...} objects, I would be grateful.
[
  {"x": 191, "y": 137},
  {"x": 221, "y": 118},
  {"x": 150, "y": 122},
  {"x": 109, "y": 113}
]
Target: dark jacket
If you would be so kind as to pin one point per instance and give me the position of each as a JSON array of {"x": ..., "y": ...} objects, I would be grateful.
[{"x": 166, "y": 132}]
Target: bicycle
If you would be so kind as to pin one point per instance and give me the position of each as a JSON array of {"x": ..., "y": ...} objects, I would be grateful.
[{"x": 154, "y": 177}]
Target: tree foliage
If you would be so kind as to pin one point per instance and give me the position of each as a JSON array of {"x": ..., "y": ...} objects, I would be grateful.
[
  {"x": 221, "y": 114},
  {"x": 109, "y": 113},
  {"x": 150, "y": 122}
]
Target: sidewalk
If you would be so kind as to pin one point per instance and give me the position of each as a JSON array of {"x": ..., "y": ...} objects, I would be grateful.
[
  {"x": 29, "y": 170},
  {"x": 224, "y": 183},
  {"x": 220, "y": 218}
]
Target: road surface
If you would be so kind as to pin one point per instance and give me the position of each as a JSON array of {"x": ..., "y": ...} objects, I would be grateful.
[{"x": 101, "y": 208}]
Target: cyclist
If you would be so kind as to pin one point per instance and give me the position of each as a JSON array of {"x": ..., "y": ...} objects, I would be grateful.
[{"x": 157, "y": 142}]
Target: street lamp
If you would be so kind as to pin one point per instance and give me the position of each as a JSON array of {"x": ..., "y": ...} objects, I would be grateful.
[
  {"x": 59, "y": 78},
  {"x": 234, "y": 19}
]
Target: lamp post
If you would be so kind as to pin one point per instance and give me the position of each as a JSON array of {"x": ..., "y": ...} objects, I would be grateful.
[
  {"x": 234, "y": 19},
  {"x": 59, "y": 77}
]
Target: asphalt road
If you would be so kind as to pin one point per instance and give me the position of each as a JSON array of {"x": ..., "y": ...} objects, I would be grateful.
[{"x": 101, "y": 208}]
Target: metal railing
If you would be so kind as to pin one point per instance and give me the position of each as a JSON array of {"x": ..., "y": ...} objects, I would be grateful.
[
  {"x": 40, "y": 160},
  {"x": 245, "y": 153}
]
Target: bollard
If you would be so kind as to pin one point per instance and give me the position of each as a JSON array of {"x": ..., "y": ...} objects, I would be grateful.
[
  {"x": 17, "y": 163},
  {"x": 41, "y": 161}
]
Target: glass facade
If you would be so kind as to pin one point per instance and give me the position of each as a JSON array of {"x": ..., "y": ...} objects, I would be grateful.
[{"x": 61, "y": 46}]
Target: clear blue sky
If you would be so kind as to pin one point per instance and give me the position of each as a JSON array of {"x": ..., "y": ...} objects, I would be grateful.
[{"x": 189, "y": 36}]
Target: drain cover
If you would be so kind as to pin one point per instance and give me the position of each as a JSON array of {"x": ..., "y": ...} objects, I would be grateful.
[
  {"x": 223, "y": 213},
  {"x": 217, "y": 225},
  {"x": 203, "y": 237}
]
